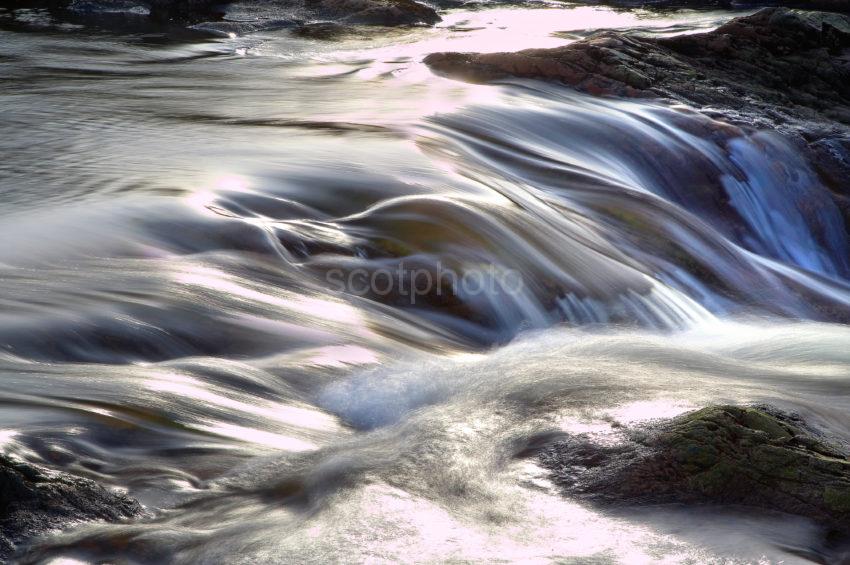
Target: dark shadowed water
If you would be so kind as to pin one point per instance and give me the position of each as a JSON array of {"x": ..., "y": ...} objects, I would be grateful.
[{"x": 220, "y": 259}]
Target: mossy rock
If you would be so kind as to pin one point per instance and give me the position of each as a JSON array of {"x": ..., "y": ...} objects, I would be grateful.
[{"x": 721, "y": 455}]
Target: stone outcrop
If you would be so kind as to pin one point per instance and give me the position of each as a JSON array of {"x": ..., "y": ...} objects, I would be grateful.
[
  {"x": 377, "y": 12},
  {"x": 34, "y": 501},
  {"x": 778, "y": 68},
  {"x": 720, "y": 455},
  {"x": 776, "y": 60}
]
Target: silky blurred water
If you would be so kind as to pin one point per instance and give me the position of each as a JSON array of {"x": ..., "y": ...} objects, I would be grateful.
[{"x": 182, "y": 217}]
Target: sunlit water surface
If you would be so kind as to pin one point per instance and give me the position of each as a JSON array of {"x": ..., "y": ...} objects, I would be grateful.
[{"x": 175, "y": 218}]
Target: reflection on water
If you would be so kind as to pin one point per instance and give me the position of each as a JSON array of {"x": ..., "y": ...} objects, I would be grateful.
[{"x": 172, "y": 213}]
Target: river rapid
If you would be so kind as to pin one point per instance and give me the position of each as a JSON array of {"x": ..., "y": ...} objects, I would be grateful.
[{"x": 219, "y": 258}]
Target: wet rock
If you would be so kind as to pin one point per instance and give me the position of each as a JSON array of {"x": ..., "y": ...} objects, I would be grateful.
[
  {"x": 720, "y": 455},
  {"x": 783, "y": 69},
  {"x": 182, "y": 10},
  {"x": 323, "y": 30},
  {"x": 187, "y": 11},
  {"x": 834, "y": 159},
  {"x": 34, "y": 501},
  {"x": 378, "y": 12},
  {"x": 831, "y": 157},
  {"x": 663, "y": 3},
  {"x": 780, "y": 60},
  {"x": 822, "y": 5},
  {"x": 277, "y": 13}
]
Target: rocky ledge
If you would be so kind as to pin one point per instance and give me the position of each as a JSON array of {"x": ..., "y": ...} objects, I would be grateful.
[
  {"x": 282, "y": 12},
  {"x": 34, "y": 501},
  {"x": 777, "y": 61},
  {"x": 754, "y": 457},
  {"x": 778, "y": 68},
  {"x": 824, "y": 5}
]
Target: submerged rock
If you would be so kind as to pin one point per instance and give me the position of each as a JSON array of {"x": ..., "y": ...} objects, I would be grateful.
[
  {"x": 720, "y": 455},
  {"x": 34, "y": 501}
]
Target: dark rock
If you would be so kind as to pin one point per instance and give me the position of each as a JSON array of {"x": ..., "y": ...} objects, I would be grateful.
[
  {"x": 775, "y": 60},
  {"x": 365, "y": 12},
  {"x": 666, "y": 4},
  {"x": 35, "y": 4},
  {"x": 820, "y": 5},
  {"x": 377, "y": 12},
  {"x": 720, "y": 455},
  {"x": 323, "y": 30},
  {"x": 187, "y": 11},
  {"x": 34, "y": 501},
  {"x": 834, "y": 159},
  {"x": 778, "y": 68},
  {"x": 831, "y": 157}
]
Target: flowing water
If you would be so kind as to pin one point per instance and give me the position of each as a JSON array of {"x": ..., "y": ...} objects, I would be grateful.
[{"x": 306, "y": 301}]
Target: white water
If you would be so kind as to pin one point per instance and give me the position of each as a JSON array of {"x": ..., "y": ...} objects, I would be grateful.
[{"x": 172, "y": 213}]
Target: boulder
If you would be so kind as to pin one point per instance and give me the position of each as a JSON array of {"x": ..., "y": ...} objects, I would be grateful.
[
  {"x": 376, "y": 12},
  {"x": 35, "y": 501},
  {"x": 735, "y": 455}
]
